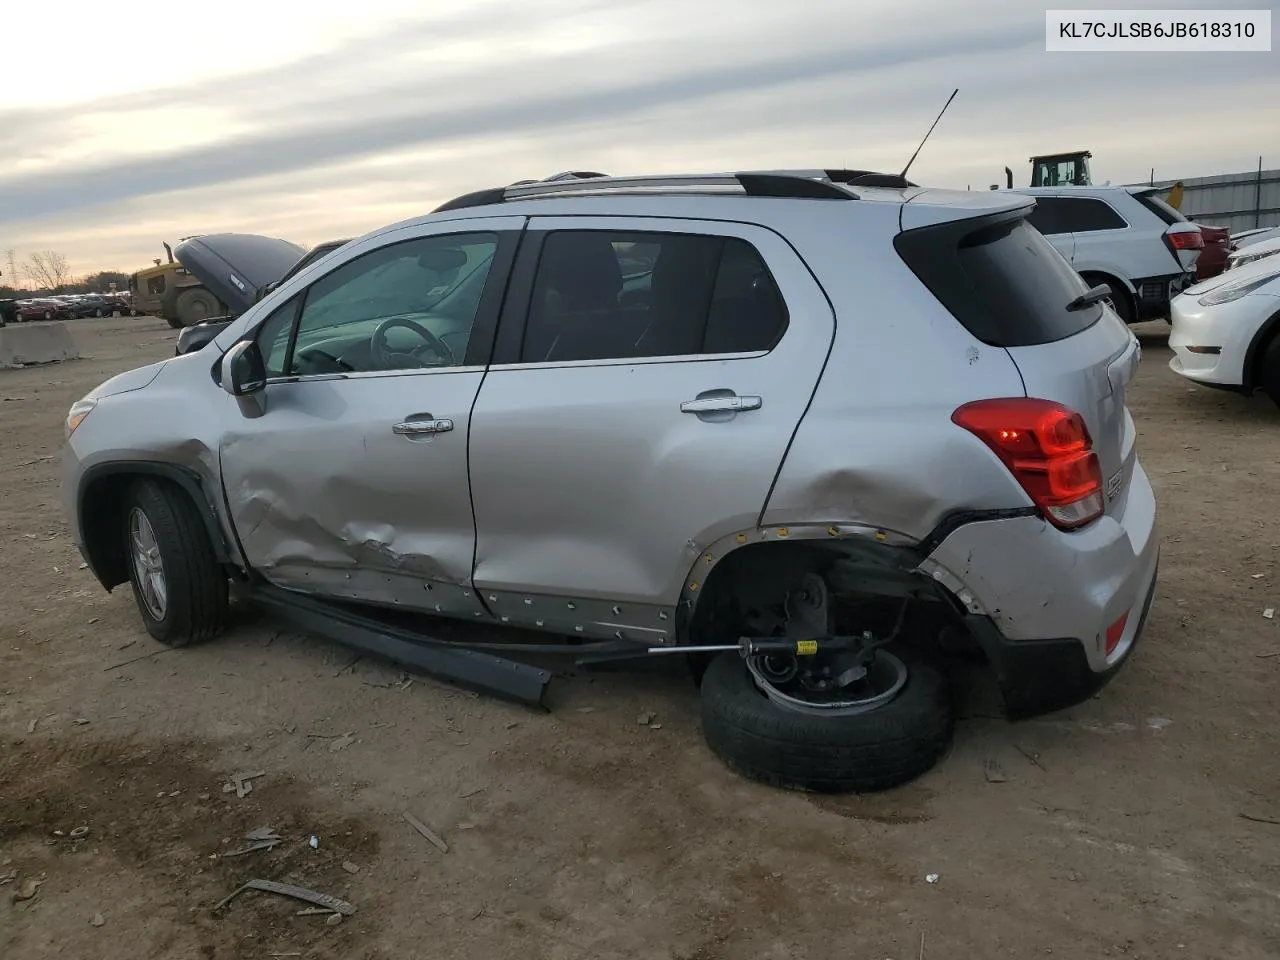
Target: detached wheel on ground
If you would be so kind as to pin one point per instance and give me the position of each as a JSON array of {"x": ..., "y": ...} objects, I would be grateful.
[
  {"x": 180, "y": 589},
  {"x": 194, "y": 305},
  {"x": 891, "y": 743}
]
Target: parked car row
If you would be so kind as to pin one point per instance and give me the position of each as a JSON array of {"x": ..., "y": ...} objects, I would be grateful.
[{"x": 69, "y": 306}]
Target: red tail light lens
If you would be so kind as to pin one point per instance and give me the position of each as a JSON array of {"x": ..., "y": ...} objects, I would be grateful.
[
  {"x": 1188, "y": 240},
  {"x": 1047, "y": 448}
]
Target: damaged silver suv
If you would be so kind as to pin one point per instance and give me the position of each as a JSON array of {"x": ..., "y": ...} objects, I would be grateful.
[{"x": 823, "y": 431}]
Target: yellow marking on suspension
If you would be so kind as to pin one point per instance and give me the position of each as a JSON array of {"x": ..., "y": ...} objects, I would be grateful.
[
  {"x": 782, "y": 531},
  {"x": 742, "y": 538},
  {"x": 881, "y": 536},
  {"x": 806, "y": 648}
]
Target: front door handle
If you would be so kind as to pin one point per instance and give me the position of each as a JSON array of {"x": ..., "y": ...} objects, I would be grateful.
[
  {"x": 417, "y": 428},
  {"x": 729, "y": 404}
]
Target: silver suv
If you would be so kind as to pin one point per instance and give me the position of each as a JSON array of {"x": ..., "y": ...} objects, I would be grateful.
[{"x": 825, "y": 431}]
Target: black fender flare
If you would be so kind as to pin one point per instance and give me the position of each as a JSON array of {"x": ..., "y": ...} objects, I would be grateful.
[{"x": 188, "y": 480}]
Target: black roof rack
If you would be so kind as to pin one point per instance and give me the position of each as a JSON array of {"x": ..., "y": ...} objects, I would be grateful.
[{"x": 794, "y": 184}]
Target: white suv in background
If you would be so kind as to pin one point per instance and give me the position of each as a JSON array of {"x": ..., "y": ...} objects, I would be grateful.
[{"x": 1124, "y": 237}]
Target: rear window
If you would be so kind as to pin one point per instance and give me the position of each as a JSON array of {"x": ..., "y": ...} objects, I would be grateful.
[
  {"x": 1003, "y": 281},
  {"x": 1159, "y": 208}
]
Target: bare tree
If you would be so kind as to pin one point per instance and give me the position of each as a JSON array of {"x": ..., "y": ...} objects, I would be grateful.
[{"x": 48, "y": 270}]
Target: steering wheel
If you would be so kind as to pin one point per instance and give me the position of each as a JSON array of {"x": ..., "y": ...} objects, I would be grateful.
[{"x": 387, "y": 359}]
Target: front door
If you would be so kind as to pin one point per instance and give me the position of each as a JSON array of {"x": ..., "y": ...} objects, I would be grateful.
[
  {"x": 643, "y": 413},
  {"x": 353, "y": 481}
]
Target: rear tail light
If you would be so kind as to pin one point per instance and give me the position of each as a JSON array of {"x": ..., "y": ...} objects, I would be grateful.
[
  {"x": 1047, "y": 448},
  {"x": 1185, "y": 240}
]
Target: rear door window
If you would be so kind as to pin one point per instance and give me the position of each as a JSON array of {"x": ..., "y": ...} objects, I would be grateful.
[
  {"x": 1047, "y": 216},
  {"x": 605, "y": 295},
  {"x": 1161, "y": 209},
  {"x": 1004, "y": 281}
]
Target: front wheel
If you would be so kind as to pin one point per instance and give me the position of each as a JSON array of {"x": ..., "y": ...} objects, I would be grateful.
[
  {"x": 180, "y": 590},
  {"x": 1268, "y": 370},
  {"x": 895, "y": 739}
]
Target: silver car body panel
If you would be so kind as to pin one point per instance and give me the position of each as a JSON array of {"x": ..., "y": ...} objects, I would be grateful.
[{"x": 590, "y": 504}]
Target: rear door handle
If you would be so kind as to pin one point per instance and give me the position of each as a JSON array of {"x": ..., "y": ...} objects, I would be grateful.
[
  {"x": 730, "y": 404},
  {"x": 417, "y": 428}
]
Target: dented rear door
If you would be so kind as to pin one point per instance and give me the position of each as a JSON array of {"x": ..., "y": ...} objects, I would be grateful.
[{"x": 354, "y": 485}]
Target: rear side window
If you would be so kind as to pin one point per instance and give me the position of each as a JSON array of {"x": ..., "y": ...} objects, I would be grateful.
[
  {"x": 1074, "y": 215},
  {"x": 605, "y": 295},
  {"x": 1003, "y": 280},
  {"x": 1083, "y": 214},
  {"x": 1161, "y": 209}
]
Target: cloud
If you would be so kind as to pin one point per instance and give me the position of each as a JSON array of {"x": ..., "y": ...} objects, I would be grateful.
[{"x": 386, "y": 124}]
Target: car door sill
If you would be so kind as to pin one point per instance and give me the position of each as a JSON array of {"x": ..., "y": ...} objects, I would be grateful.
[{"x": 443, "y": 659}]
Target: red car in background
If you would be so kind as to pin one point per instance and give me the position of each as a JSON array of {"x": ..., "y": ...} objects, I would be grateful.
[
  {"x": 1213, "y": 258},
  {"x": 43, "y": 309}
]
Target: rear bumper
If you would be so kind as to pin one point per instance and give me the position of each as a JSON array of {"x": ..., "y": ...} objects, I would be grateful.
[
  {"x": 1040, "y": 600},
  {"x": 1154, "y": 293},
  {"x": 1038, "y": 676}
]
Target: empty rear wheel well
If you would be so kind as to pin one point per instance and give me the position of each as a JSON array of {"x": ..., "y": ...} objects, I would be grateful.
[
  {"x": 869, "y": 583},
  {"x": 103, "y": 500}
]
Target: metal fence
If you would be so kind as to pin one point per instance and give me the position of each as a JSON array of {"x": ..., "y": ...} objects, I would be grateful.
[{"x": 1237, "y": 201}]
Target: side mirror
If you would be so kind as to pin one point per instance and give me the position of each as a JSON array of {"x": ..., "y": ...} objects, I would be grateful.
[{"x": 243, "y": 372}]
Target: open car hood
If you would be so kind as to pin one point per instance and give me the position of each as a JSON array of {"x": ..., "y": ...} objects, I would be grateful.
[{"x": 237, "y": 267}]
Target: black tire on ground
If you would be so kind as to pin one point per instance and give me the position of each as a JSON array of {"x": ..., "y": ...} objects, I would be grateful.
[
  {"x": 48, "y": 314},
  {"x": 99, "y": 312},
  {"x": 1119, "y": 298},
  {"x": 195, "y": 305},
  {"x": 174, "y": 322},
  {"x": 1268, "y": 370},
  {"x": 133, "y": 313},
  {"x": 889, "y": 746},
  {"x": 196, "y": 588}
]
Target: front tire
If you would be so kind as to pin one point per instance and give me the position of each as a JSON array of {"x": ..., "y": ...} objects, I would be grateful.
[
  {"x": 180, "y": 590},
  {"x": 1268, "y": 370},
  {"x": 888, "y": 746}
]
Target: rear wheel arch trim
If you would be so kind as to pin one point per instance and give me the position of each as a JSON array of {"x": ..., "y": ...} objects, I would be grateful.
[
  {"x": 187, "y": 480},
  {"x": 711, "y": 558}
]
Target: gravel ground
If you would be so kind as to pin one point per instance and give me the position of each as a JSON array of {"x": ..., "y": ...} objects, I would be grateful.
[{"x": 1123, "y": 828}]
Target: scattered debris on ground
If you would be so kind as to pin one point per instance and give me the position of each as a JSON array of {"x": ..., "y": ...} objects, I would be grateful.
[
  {"x": 423, "y": 829},
  {"x": 342, "y": 742},
  {"x": 28, "y": 888},
  {"x": 994, "y": 772},
  {"x": 324, "y": 900},
  {"x": 241, "y": 784}
]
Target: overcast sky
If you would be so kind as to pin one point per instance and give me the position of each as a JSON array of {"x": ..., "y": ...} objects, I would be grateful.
[{"x": 132, "y": 121}]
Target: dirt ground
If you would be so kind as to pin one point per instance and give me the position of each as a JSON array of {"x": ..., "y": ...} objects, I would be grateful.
[{"x": 1123, "y": 829}]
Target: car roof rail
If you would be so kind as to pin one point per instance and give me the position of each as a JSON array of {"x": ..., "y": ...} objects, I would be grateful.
[{"x": 794, "y": 184}]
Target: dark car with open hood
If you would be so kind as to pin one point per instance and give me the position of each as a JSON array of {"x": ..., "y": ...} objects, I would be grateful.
[{"x": 226, "y": 262}]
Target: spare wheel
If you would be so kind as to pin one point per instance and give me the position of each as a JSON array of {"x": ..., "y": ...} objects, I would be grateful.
[{"x": 889, "y": 730}]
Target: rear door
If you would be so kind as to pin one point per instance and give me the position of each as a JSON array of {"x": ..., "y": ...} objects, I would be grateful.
[{"x": 649, "y": 376}]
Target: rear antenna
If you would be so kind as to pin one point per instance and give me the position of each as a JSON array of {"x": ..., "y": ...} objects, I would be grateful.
[{"x": 903, "y": 174}]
